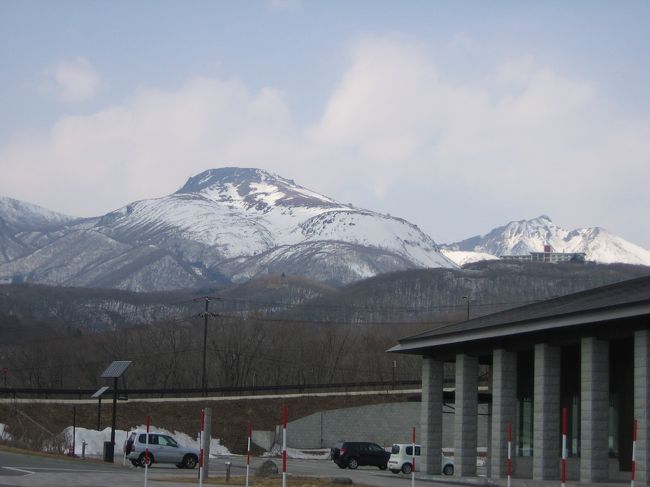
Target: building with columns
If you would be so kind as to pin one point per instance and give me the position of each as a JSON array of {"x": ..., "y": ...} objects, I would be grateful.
[{"x": 587, "y": 352}]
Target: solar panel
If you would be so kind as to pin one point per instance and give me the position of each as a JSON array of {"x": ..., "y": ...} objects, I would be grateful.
[
  {"x": 100, "y": 392},
  {"x": 116, "y": 369}
]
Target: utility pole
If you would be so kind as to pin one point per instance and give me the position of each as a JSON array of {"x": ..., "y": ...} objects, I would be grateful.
[
  {"x": 206, "y": 314},
  {"x": 467, "y": 298}
]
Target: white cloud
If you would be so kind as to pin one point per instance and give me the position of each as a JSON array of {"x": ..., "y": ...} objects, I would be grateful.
[
  {"x": 523, "y": 133},
  {"x": 523, "y": 137},
  {"x": 147, "y": 146},
  {"x": 73, "y": 80}
]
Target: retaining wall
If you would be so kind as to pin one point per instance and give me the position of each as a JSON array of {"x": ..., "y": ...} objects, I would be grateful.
[{"x": 383, "y": 424}]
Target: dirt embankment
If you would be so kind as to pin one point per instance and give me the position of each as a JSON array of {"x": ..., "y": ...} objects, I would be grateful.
[{"x": 35, "y": 422}]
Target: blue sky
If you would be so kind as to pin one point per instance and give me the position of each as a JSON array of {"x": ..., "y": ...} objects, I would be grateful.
[{"x": 457, "y": 116}]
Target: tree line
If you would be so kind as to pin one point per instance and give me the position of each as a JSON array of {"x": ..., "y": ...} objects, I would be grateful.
[{"x": 241, "y": 351}]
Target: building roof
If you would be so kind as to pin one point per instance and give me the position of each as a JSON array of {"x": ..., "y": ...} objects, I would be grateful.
[{"x": 621, "y": 300}]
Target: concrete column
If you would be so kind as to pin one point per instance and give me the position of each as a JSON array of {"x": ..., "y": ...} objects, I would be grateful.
[
  {"x": 546, "y": 413},
  {"x": 466, "y": 416},
  {"x": 594, "y": 409},
  {"x": 431, "y": 415},
  {"x": 504, "y": 408},
  {"x": 641, "y": 404}
]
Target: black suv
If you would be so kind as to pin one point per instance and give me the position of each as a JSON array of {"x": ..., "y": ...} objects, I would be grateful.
[{"x": 352, "y": 454}]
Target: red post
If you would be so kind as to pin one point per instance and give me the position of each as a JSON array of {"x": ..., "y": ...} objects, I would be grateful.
[
  {"x": 146, "y": 450},
  {"x": 248, "y": 446},
  {"x": 633, "y": 454},
  {"x": 248, "y": 449},
  {"x": 201, "y": 452},
  {"x": 146, "y": 453},
  {"x": 202, "y": 428},
  {"x": 413, "y": 459},
  {"x": 509, "y": 460},
  {"x": 414, "y": 448},
  {"x": 564, "y": 449},
  {"x": 285, "y": 413}
]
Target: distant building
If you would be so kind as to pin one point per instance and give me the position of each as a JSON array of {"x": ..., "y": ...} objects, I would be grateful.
[{"x": 548, "y": 256}]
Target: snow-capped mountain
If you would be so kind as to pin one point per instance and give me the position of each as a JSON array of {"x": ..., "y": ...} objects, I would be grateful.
[
  {"x": 227, "y": 224},
  {"x": 24, "y": 227},
  {"x": 525, "y": 236}
]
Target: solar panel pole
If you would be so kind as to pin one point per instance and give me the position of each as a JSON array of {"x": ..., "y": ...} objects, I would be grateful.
[
  {"x": 99, "y": 413},
  {"x": 112, "y": 453},
  {"x": 113, "y": 371}
]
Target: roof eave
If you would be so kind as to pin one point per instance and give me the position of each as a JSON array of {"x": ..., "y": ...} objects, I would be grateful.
[{"x": 526, "y": 326}]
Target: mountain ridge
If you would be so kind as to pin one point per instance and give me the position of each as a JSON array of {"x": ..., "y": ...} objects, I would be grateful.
[
  {"x": 524, "y": 236},
  {"x": 226, "y": 224}
]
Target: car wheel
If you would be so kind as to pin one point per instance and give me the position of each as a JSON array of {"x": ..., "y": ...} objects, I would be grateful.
[
  {"x": 394, "y": 470},
  {"x": 190, "y": 461},
  {"x": 353, "y": 463},
  {"x": 448, "y": 470},
  {"x": 406, "y": 468},
  {"x": 382, "y": 467},
  {"x": 142, "y": 459},
  {"x": 135, "y": 463}
]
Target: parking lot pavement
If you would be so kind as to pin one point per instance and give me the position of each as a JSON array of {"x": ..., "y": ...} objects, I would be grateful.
[
  {"x": 29, "y": 470},
  {"x": 19, "y": 469}
]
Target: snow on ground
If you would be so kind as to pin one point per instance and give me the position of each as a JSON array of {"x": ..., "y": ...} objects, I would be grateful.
[
  {"x": 4, "y": 434},
  {"x": 95, "y": 440},
  {"x": 317, "y": 454}
]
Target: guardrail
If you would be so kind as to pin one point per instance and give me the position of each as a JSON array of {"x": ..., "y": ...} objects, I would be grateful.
[{"x": 345, "y": 386}]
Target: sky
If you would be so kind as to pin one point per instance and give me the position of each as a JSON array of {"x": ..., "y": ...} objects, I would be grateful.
[{"x": 458, "y": 116}]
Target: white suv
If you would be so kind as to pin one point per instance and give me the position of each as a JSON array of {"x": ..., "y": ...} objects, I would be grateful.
[
  {"x": 162, "y": 449},
  {"x": 401, "y": 459}
]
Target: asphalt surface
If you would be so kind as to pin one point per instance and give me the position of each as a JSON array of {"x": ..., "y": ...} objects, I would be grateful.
[{"x": 32, "y": 470}]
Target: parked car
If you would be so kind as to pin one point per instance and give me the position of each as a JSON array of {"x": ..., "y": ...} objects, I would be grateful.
[
  {"x": 162, "y": 449},
  {"x": 401, "y": 459},
  {"x": 353, "y": 454}
]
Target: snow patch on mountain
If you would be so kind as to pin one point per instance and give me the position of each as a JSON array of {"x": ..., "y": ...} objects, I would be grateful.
[
  {"x": 26, "y": 216},
  {"x": 525, "y": 236},
  {"x": 223, "y": 224},
  {"x": 462, "y": 257}
]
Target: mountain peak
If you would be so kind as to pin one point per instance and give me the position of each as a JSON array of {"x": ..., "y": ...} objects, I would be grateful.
[
  {"x": 224, "y": 175},
  {"x": 254, "y": 188},
  {"x": 525, "y": 236}
]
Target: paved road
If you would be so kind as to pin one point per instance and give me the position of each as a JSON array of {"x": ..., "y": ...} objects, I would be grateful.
[{"x": 25, "y": 470}]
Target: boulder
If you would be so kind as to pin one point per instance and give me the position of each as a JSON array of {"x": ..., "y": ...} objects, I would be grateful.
[{"x": 267, "y": 469}]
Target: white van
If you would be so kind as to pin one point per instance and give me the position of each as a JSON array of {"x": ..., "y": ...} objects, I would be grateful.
[{"x": 401, "y": 458}]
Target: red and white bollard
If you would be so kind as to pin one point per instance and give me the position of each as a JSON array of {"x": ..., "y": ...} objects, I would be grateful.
[
  {"x": 564, "y": 452},
  {"x": 413, "y": 458},
  {"x": 509, "y": 460},
  {"x": 248, "y": 450},
  {"x": 146, "y": 453},
  {"x": 633, "y": 454},
  {"x": 285, "y": 412},
  {"x": 201, "y": 459}
]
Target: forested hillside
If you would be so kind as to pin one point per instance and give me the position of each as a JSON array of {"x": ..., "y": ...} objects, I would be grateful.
[{"x": 272, "y": 331}]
